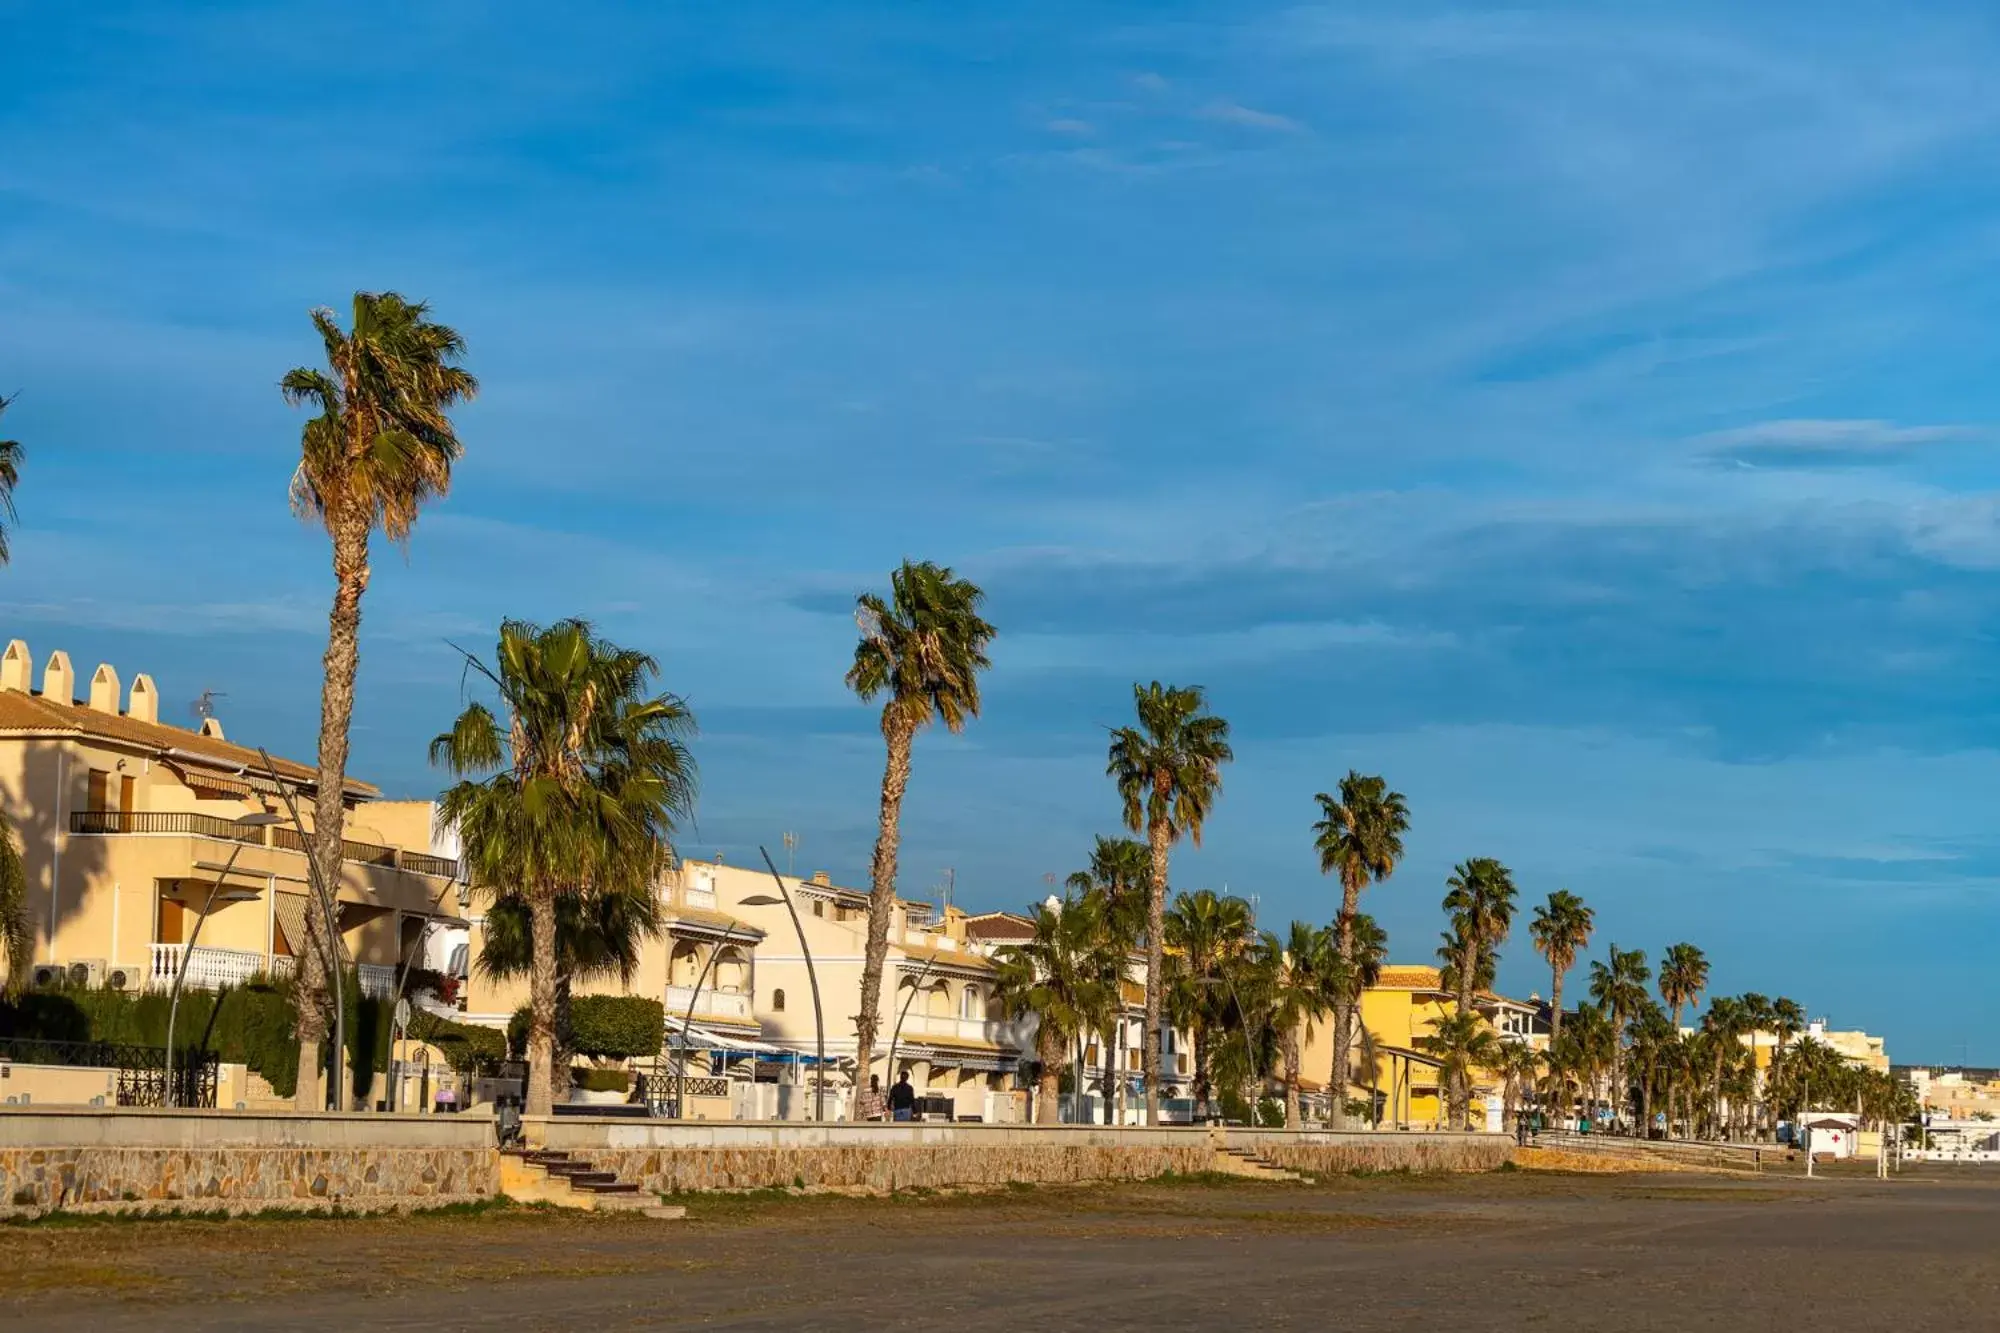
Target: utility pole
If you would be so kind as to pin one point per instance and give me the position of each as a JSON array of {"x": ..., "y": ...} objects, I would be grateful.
[{"x": 791, "y": 845}]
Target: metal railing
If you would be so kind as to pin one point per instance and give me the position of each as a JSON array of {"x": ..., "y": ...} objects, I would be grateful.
[
  {"x": 142, "y": 1071},
  {"x": 228, "y": 830}
]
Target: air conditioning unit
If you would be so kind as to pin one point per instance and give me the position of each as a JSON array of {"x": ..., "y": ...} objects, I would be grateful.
[
  {"x": 86, "y": 972},
  {"x": 123, "y": 978},
  {"x": 46, "y": 974}
]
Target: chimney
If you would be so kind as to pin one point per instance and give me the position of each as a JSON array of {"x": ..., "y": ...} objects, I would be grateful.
[
  {"x": 145, "y": 704},
  {"x": 59, "y": 679},
  {"x": 104, "y": 689},
  {"x": 819, "y": 877},
  {"x": 211, "y": 727},
  {"x": 17, "y": 668}
]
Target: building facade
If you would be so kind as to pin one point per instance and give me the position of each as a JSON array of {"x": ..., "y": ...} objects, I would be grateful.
[{"x": 136, "y": 835}]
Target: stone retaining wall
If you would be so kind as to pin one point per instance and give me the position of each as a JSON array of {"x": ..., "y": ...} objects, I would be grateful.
[
  {"x": 1326, "y": 1152},
  {"x": 81, "y": 1160},
  {"x": 670, "y": 1158}
]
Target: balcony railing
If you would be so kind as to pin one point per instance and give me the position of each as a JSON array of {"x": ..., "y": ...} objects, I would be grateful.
[
  {"x": 213, "y": 826},
  {"x": 714, "y": 1003},
  {"x": 378, "y": 982},
  {"x": 965, "y": 1029},
  {"x": 207, "y": 969}
]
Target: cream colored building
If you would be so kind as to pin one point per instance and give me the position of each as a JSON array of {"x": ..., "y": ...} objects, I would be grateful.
[{"x": 127, "y": 824}]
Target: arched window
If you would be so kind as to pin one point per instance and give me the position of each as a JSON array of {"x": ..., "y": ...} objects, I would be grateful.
[
  {"x": 777, "y": 1002},
  {"x": 969, "y": 1005}
]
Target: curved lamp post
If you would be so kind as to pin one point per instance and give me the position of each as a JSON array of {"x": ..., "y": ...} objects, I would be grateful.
[
  {"x": 215, "y": 895},
  {"x": 903, "y": 1013},
  {"x": 729, "y": 936},
  {"x": 819, "y": 1017}
]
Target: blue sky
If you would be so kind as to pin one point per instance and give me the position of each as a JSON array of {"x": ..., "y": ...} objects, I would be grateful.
[{"x": 1582, "y": 415}]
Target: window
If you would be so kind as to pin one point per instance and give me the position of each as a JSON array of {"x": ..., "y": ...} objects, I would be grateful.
[
  {"x": 819, "y": 908},
  {"x": 777, "y": 1002}
]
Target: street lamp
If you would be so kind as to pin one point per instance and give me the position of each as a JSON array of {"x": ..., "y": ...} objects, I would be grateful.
[
  {"x": 687, "y": 1024},
  {"x": 330, "y": 908},
  {"x": 215, "y": 895},
  {"x": 819, "y": 1017}
]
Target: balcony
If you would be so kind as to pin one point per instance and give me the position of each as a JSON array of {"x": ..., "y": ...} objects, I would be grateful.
[
  {"x": 185, "y": 824},
  {"x": 988, "y": 1030},
  {"x": 378, "y": 982},
  {"x": 207, "y": 969},
  {"x": 713, "y": 1003}
]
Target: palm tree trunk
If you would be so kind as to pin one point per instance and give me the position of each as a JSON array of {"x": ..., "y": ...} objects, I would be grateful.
[
  {"x": 1343, "y": 1010},
  {"x": 541, "y": 1000},
  {"x": 1290, "y": 1049},
  {"x": 1048, "y": 1085},
  {"x": 1558, "y": 1085},
  {"x": 1156, "y": 930},
  {"x": 1110, "y": 1069},
  {"x": 897, "y": 733},
  {"x": 336, "y": 713}
]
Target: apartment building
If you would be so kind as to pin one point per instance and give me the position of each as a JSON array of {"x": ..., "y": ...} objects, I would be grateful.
[{"x": 135, "y": 832}]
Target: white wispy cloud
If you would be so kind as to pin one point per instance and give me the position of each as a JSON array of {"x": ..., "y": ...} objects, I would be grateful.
[
  {"x": 1226, "y": 112},
  {"x": 1820, "y": 442}
]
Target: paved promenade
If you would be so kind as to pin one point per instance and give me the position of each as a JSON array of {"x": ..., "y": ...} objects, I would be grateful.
[{"x": 1496, "y": 1252}]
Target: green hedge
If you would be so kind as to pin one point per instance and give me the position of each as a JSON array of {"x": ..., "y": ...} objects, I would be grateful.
[
  {"x": 253, "y": 1024},
  {"x": 603, "y": 1080},
  {"x": 466, "y": 1047},
  {"x": 604, "y": 1027}
]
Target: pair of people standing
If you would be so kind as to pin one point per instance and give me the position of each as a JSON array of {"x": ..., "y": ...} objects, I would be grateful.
[{"x": 901, "y": 1105}]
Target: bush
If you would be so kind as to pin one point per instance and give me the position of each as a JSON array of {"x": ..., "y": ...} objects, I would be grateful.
[
  {"x": 466, "y": 1047},
  {"x": 616, "y": 1027},
  {"x": 1271, "y": 1113},
  {"x": 603, "y": 1080}
]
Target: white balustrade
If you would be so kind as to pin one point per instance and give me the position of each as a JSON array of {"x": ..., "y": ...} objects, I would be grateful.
[
  {"x": 208, "y": 969},
  {"x": 714, "y": 1003},
  {"x": 965, "y": 1029},
  {"x": 377, "y": 981}
]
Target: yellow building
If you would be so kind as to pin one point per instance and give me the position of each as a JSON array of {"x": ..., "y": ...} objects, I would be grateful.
[
  {"x": 127, "y": 824},
  {"x": 1403, "y": 1007}
]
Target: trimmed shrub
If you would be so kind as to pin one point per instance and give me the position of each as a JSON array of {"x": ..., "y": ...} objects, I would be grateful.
[
  {"x": 602, "y": 1080},
  {"x": 616, "y": 1027},
  {"x": 466, "y": 1047}
]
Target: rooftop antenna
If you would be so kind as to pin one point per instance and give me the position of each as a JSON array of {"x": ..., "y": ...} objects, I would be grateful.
[
  {"x": 791, "y": 845},
  {"x": 950, "y": 883},
  {"x": 203, "y": 708}
]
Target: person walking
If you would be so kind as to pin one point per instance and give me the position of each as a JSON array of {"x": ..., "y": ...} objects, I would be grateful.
[
  {"x": 869, "y": 1105},
  {"x": 903, "y": 1099}
]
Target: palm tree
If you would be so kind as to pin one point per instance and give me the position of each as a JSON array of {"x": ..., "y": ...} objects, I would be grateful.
[
  {"x": 1560, "y": 930},
  {"x": 1350, "y": 978},
  {"x": 1619, "y": 988},
  {"x": 1115, "y": 883},
  {"x": 586, "y": 775},
  {"x": 1359, "y": 836},
  {"x": 922, "y": 649},
  {"x": 1683, "y": 977},
  {"x": 1519, "y": 1065},
  {"x": 12, "y": 455},
  {"x": 1058, "y": 976},
  {"x": 1722, "y": 1025},
  {"x": 1168, "y": 770},
  {"x": 381, "y": 447},
  {"x": 1303, "y": 985},
  {"x": 598, "y": 936},
  {"x": 1588, "y": 1048},
  {"x": 1206, "y": 935},
  {"x": 1463, "y": 1041},
  {"x": 1480, "y": 902},
  {"x": 1652, "y": 1036}
]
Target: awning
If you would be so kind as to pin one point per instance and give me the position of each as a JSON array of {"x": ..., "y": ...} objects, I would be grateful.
[
  {"x": 957, "y": 1059},
  {"x": 291, "y": 913},
  {"x": 697, "y": 1038}
]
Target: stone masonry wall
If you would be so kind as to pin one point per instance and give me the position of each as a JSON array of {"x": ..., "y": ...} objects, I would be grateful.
[
  {"x": 93, "y": 1179},
  {"x": 893, "y": 1166},
  {"x": 1337, "y": 1154}
]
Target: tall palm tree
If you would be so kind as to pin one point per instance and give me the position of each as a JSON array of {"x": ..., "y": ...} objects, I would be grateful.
[
  {"x": 1302, "y": 969},
  {"x": 1463, "y": 1041},
  {"x": 1480, "y": 903},
  {"x": 1115, "y": 884},
  {"x": 1206, "y": 936},
  {"x": 1683, "y": 977},
  {"x": 380, "y": 448},
  {"x": 1168, "y": 770},
  {"x": 1058, "y": 976},
  {"x": 1350, "y": 977},
  {"x": 1723, "y": 1026},
  {"x": 922, "y": 650},
  {"x": 1652, "y": 1036},
  {"x": 1560, "y": 930},
  {"x": 574, "y": 787},
  {"x": 1589, "y": 1047},
  {"x": 12, "y": 455},
  {"x": 1618, "y": 986},
  {"x": 1359, "y": 836}
]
